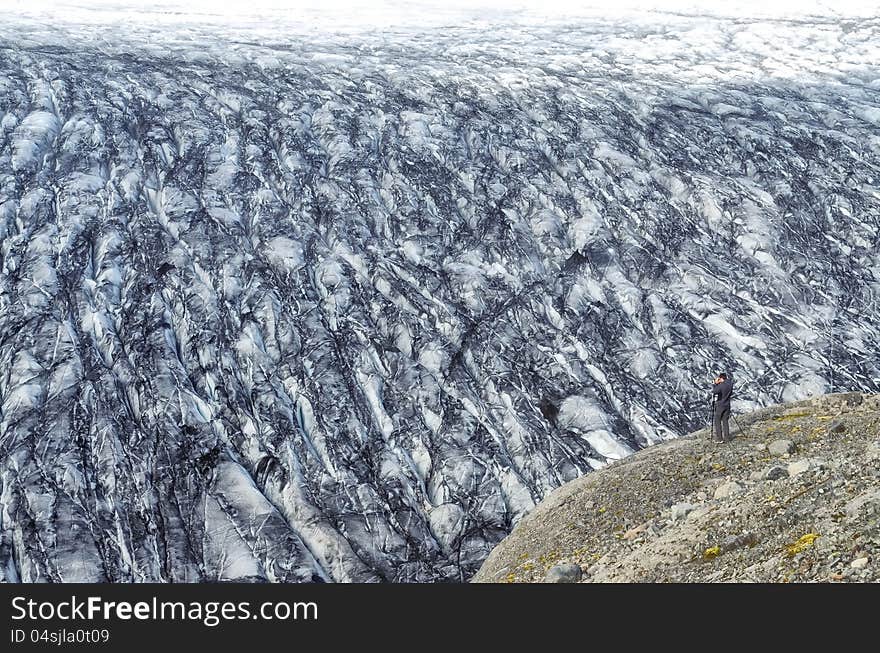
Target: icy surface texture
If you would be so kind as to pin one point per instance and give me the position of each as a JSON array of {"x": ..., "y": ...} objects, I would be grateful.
[{"x": 289, "y": 306}]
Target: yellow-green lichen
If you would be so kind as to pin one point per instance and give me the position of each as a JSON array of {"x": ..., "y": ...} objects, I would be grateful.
[
  {"x": 805, "y": 542},
  {"x": 711, "y": 552}
]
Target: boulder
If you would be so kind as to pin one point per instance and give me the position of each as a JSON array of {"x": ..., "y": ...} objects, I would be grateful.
[
  {"x": 737, "y": 541},
  {"x": 730, "y": 489},
  {"x": 799, "y": 467},
  {"x": 780, "y": 447},
  {"x": 837, "y": 426},
  {"x": 681, "y": 510},
  {"x": 866, "y": 504},
  {"x": 775, "y": 473},
  {"x": 564, "y": 573}
]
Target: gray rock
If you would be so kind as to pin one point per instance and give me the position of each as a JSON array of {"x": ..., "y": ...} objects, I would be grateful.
[
  {"x": 564, "y": 573},
  {"x": 727, "y": 490},
  {"x": 859, "y": 563},
  {"x": 837, "y": 426},
  {"x": 781, "y": 447},
  {"x": 799, "y": 467},
  {"x": 775, "y": 473},
  {"x": 681, "y": 510},
  {"x": 867, "y": 503},
  {"x": 737, "y": 541},
  {"x": 728, "y": 543}
]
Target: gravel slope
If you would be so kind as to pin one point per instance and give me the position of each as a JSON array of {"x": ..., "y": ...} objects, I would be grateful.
[{"x": 795, "y": 498}]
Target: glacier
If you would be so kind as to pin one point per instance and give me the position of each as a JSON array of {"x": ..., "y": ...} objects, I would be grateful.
[{"x": 281, "y": 304}]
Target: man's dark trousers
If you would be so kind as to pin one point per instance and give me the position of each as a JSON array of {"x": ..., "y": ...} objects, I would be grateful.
[{"x": 722, "y": 417}]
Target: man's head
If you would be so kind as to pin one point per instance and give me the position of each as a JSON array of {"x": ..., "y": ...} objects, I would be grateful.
[{"x": 723, "y": 376}]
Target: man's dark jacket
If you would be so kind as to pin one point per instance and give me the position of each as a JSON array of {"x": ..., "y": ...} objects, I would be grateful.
[{"x": 724, "y": 391}]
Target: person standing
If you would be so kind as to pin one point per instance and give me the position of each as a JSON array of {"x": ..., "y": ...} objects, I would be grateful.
[{"x": 722, "y": 391}]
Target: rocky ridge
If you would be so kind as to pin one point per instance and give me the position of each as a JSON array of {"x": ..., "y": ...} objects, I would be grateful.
[{"x": 794, "y": 498}]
